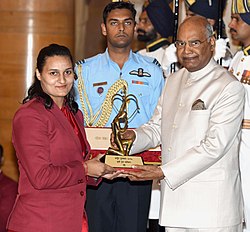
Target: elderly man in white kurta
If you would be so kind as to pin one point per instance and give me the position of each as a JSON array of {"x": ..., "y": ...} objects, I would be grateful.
[{"x": 197, "y": 122}]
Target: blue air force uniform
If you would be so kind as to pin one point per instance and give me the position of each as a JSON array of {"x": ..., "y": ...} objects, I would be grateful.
[{"x": 118, "y": 205}]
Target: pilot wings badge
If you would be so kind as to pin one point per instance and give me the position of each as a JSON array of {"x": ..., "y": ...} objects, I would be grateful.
[{"x": 140, "y": 73}]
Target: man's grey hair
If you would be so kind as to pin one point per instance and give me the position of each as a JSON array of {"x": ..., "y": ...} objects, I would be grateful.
[{"x": 209, "y": 30}]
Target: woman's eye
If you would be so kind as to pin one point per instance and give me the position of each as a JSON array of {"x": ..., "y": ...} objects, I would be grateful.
[
  {"x": 68, "y": 72},
  {"x": 53, "y": 73}
]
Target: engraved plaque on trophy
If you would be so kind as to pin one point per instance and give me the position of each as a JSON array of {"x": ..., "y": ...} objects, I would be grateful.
[{"x": 118, "y": 156}]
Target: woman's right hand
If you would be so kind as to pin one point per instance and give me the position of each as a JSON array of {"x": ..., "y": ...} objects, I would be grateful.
[{"x": 95, "y": 168}]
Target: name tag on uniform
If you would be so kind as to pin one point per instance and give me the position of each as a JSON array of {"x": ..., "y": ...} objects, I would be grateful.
[{"x": 100, "y": 83}]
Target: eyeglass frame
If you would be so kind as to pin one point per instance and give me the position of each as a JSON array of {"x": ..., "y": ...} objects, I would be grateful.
[{"x": 190, "y": 43}]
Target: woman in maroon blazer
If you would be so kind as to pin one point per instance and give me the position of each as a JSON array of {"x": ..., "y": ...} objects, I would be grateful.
[{"x": 52, "y": 151}]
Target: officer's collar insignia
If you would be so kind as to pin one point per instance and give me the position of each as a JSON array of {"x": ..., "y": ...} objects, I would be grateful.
[
  {"x": 139, "y": 73},
  {"x": 246, "y": 51}
]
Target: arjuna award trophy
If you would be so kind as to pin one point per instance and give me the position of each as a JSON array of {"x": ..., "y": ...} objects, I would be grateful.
[{"x": 119, "y": 157}]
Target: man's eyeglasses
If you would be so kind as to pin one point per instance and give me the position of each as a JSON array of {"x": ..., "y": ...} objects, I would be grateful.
[{"x": 191, "y": 43}]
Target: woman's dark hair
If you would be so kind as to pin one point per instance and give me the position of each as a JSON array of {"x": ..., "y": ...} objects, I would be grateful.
[
  {"x": 118, "y": 5},
  {"x": 36, "y": 91}
]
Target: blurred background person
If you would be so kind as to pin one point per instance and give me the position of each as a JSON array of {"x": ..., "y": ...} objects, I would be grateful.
[
  {"x": 8, "y": 192},
  {"x": 240, "y": 67},
  {"x": 155, "y": 28}
]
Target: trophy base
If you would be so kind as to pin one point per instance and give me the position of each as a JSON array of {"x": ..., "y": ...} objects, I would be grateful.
[{"x": 118, "y": 161}]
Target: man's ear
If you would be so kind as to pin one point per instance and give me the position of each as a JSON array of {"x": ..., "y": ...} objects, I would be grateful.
[
  {"x": 212, "y": 42},
  {"x": 104, "y": 30},
  {"x": 38, "y": 75}
]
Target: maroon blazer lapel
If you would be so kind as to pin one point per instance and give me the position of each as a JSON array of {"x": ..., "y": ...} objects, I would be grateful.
[{"x": 58, "y": 114}]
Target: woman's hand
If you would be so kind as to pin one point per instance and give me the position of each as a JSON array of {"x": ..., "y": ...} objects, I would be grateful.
[
  {"x": 95, "y": 168},
  {"x": 118, "y": 173}
]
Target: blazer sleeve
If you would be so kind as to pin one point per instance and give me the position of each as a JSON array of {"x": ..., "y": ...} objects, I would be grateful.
[{"x": 93, "y": 181}]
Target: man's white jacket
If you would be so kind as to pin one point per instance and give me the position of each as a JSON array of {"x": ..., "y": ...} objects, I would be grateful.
[{"x": 201, "y": 188}]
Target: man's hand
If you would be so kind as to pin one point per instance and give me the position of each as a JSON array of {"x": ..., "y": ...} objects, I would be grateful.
[
  {"x": 128, "y": 134},
  {"x": 145, "y": 172}
]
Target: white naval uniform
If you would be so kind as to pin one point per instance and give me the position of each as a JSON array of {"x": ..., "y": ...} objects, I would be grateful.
[
  {"x": 157, "y": 54},
  {"x": 153, "y": 50},
  {"x": 240, "y": 67}
]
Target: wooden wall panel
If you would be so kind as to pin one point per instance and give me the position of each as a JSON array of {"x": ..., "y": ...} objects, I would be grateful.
[
  {"x": 25, "y": 27},
  {"x": 95, "y": 41}
]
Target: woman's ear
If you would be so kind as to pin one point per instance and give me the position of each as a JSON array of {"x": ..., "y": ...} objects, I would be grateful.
[{"x": 38, "y": 75}]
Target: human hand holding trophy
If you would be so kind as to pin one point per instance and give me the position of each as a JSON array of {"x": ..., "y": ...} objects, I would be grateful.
[{"x": 118, "y": 154}]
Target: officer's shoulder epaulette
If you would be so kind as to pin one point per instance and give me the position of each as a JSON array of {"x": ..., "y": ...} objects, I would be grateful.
[
  {"x": 148, "y": 59},
  {"x": 80, "y": 62},
  {"x": 155, "y": 61}
]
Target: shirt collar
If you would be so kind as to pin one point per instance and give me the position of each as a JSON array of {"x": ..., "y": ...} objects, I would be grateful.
[
  {"x": 111, "y": 62},
  {"x": 204, "y": 71},
  {"x": 157, "y": 44}
]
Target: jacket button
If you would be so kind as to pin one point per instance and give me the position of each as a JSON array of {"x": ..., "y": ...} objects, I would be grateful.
[
  {"x": 80, "y": 181},
  {"x": 82, "y": 193}
]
